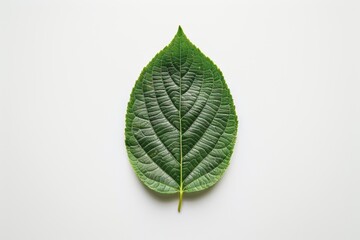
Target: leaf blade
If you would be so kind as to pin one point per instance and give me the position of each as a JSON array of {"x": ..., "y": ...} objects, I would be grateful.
[{"x": 181, "y": 122}]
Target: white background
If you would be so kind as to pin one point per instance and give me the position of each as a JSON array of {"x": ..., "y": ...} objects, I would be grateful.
[{"x": 66, "y": 72}]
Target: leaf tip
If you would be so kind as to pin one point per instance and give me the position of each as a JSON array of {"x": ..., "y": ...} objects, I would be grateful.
[{"x": 180, "y": 31}]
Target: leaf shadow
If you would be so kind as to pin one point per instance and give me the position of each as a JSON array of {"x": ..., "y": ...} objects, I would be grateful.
[
  {"x": 194, "y": 196},
  {"x": 160, "y": 196}
]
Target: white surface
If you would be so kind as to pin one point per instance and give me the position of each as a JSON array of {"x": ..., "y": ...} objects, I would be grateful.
[{"x": 66, "y": 72}]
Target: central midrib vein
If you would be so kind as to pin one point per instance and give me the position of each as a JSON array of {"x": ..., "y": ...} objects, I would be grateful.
[{"x": 180, "y": 135}]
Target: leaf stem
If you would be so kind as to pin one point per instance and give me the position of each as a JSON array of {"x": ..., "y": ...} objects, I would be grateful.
[{"x": 180, "y": 200}]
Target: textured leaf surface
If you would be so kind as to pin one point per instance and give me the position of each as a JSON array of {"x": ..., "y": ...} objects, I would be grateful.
[{"x": 181, "y": 123}]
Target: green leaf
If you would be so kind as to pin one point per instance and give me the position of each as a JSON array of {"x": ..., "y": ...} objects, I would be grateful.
[{"x": 181, "y": 123}]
